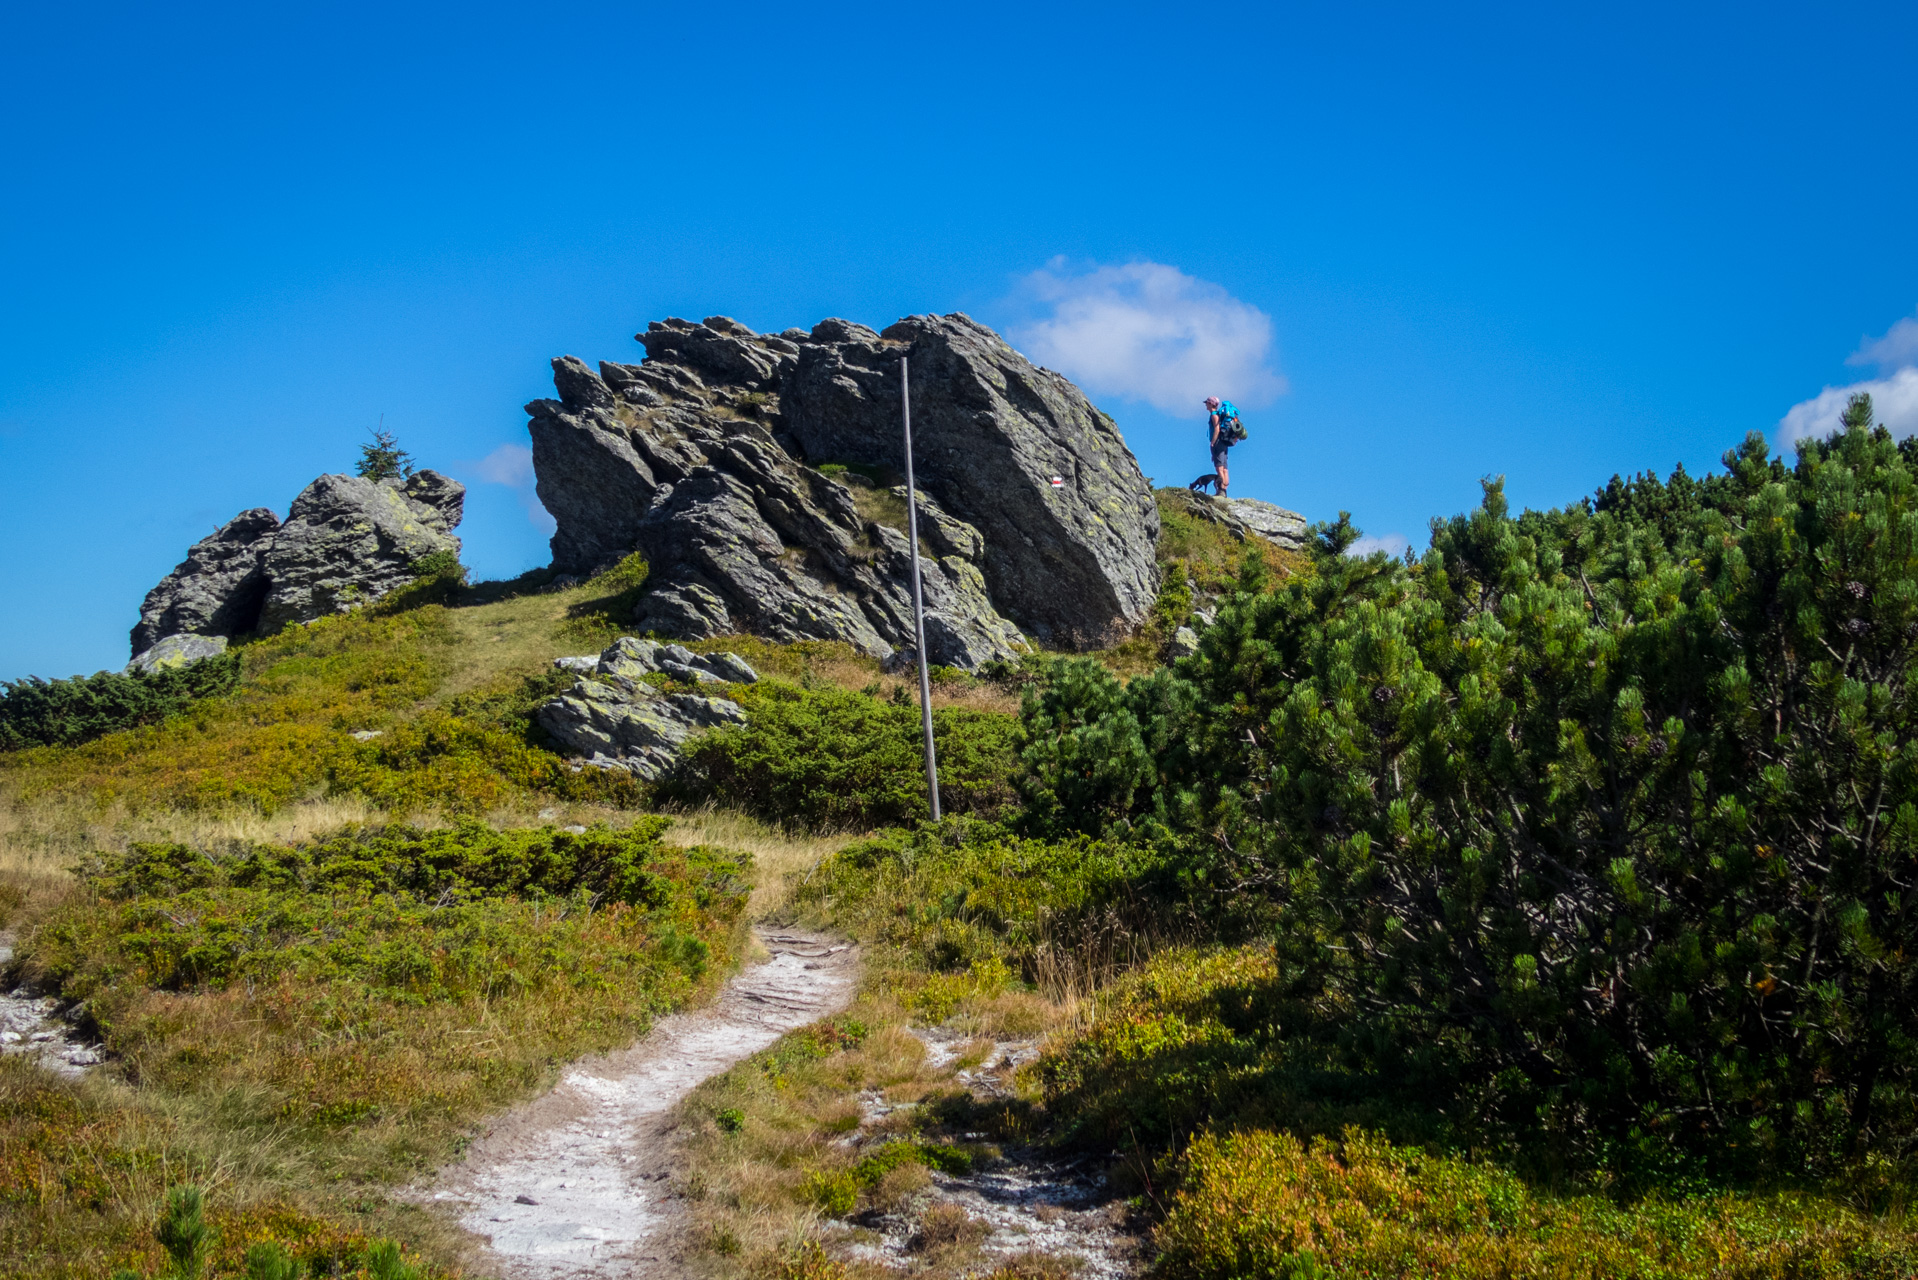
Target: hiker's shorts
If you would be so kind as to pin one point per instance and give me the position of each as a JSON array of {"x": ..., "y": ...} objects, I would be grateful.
[{"x": 1218, "y": 454}]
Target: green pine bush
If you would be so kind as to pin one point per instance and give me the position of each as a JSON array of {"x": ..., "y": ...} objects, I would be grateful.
[
  {"x": 1595, "y": 831},
  {"x": 60, "y": 713}
]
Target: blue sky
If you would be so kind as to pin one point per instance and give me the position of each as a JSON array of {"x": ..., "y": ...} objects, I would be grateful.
[{"x": 1419, "y": 245}]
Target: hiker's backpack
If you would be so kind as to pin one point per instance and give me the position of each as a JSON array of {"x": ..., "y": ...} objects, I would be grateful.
[{"x": 1231, "y": 430}]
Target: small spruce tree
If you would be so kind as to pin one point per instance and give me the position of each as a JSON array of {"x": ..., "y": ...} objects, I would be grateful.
[
  {"x": 384, "y": 459},
  {"x": 1858, "y": 412}
]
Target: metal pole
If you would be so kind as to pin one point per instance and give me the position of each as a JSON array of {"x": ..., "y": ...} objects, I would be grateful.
[{"x": 918, "y": 604}]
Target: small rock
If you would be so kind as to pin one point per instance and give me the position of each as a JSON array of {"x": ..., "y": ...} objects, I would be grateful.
[
  {"x": 575, "y": 829},
  {"x": 366, "y": 735},
  {"x": 547, "y": 815},
  {"x": 1185, "y": 641},
  {"x": 177, "y": 651},
  {"x": 524, "y": 1199},
  {"x": 583, "y": 663}
]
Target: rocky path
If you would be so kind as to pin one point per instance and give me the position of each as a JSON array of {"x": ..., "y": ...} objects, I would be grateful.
[
  {"x": 28, "y": 1025},
  {"x": 1029, "y": 1202},
  {"x": 574, "y": 1184}
]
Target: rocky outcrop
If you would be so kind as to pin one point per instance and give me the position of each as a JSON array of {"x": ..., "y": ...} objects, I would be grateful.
[
  {"x": 1273, "y": 523},
  {"x": 1072, "y": 562},
  {"x": 615, "y": 719},
  {"x": 1243, "y": 516},
  {"x": 753, "y": 473},
  {"x": 346, "y": 540}
]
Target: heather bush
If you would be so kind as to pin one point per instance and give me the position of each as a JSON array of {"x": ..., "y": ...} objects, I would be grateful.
[{"x": 387, "y": 979}]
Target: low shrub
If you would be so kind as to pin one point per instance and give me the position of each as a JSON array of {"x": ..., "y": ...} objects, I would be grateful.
[
  {"x": 830, "y": 759},
  {"x": 970, "y": 900},
  {"x": 605, "y": 609},
  {"x": 80, "y": 1180},
  {"x": 61, "y": 713},
  {"x": 285, "y": 734},
  {"x": 1260, "y": 1205},
  {"x": 285, "y": 969}
]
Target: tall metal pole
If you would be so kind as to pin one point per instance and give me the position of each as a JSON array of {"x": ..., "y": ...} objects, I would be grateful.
[{"x": 918, "y": 604}]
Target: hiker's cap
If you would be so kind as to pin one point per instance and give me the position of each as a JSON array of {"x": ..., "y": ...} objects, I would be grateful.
[{"x": 1212, "y": 402}]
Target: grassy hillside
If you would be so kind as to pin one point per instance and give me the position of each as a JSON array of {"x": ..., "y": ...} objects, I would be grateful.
[{"x": 1213, "y": 927}]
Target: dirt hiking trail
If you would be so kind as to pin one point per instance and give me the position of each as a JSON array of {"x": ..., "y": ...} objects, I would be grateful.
[{"x": 575, "y": 1183}]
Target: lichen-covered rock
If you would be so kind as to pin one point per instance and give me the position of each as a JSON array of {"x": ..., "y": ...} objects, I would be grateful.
[
  {"x": 347, "y": 540},
  {"x": 217, "y": 590},
  {"x": 177, "y": 651},
  {"x": 706, "y": 458},
  {"x": 616, "y": 720}
]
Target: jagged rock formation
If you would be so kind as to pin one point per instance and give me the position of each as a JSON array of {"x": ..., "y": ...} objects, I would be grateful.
[
  {"x": 755, "y": 473},
  {"x": 618, "y": 721},
  {"x": 347, "y": 540}
]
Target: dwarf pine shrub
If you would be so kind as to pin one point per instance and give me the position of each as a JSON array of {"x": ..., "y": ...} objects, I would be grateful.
[
  {"x": 48, "y": 713},
  {"x": 1597, "y": 828}
]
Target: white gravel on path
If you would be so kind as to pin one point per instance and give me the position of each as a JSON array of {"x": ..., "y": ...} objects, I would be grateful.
[
  {"x": 574, "y": 1184},
  {"x": 28, "y": 1025}
]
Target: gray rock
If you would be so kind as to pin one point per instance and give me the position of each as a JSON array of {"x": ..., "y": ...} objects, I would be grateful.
[
  {"x": 1273, "y": 523},
  {"x": 217, "y": 590},
  {"x": 1073, "y": 565},
  {"x": 346, "y": 541},
  {"x": 440, "y": 495},
  {"x": 627, "y": 659},
  {"x": 583, "y": 663},
  {"x": 701, "y": 458},
  {"x": 1184, "y": 641},
  {"x": 618, "y": 721},
  {"x": 177, "y": 651},
  {"x": 1243, "y": 517}
]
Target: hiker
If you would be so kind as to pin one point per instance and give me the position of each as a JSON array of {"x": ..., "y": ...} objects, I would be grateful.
[{"x": 1224, "y": 431}]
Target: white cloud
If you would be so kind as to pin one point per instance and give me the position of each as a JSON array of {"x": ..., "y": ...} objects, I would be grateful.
[
  {"x": 512, "y": 466},
  {"x": 1392, "y": 544},
  {"x": 1894, "y": 393},
  {"x": 1898, "y": 349},
  {"x": 1146, "y": 331}
]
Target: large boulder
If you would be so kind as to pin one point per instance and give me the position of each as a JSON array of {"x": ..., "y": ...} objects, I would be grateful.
[
  {"x": 217, "y": 590},
  {"x": 346, "y": 540},
  {"x": 757, "y": 474},
  {"x": 1242, "y": 517},
  {"x": 180, "y": 650},
  {"x": 615, "y": 719}
]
